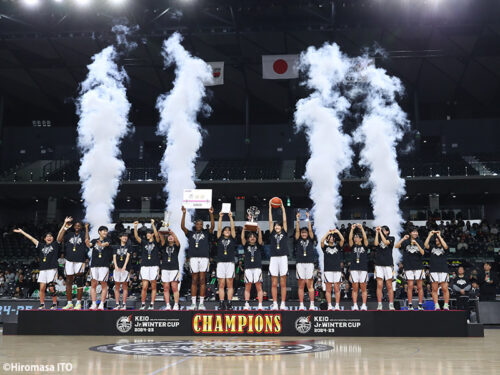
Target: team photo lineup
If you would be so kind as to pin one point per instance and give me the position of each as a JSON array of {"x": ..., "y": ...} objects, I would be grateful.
[{"x": 109, "y": 258}]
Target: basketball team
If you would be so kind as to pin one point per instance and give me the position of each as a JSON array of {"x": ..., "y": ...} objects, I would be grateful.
[{"x": 160, "y": 261}]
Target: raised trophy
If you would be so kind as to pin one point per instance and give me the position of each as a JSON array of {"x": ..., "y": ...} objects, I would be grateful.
[
  {"x": 252, "y": 214},
  {"x": 165, "y": 224}
]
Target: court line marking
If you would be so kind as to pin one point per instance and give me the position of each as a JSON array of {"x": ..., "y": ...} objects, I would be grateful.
[{"x": 168, "y": 366}]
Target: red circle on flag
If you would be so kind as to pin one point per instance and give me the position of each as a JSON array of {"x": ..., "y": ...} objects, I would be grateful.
[{"x": 280, "y": 66}]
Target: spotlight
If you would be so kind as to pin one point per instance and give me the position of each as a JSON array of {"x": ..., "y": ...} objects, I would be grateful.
[
  {"x": 31, "y": 3},
  {"x": 83, "y": 2},
  {"x": 117, "y": 2}
]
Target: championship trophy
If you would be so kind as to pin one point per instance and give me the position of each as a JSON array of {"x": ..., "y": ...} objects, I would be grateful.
[
  {"x": 252, "y": 214},
  {"x": 165, "y": 224}
]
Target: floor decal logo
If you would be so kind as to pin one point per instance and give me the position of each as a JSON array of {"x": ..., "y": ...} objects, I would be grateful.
[{"x": 213, "y": 348}]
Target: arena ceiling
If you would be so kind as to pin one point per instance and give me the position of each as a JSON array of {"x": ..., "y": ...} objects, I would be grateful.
[{"x": 447, "y": 53}]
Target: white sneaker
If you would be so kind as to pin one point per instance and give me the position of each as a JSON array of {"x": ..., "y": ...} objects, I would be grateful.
[
  {"x": 93, "y": 306},
  {"x": 101, "y": 306},
  {"x": 176, "y": 307},
  {"x": 69, "y": 306},
  {"x": 260, "y": 307},
  {"x": 330, "y": 307},
  {"x": 247, "y": 306},
  {"x": 363, "y": 307},
  {"x": 337, "y": 307},
  {"x": 302, "y": 307},
  {"x": 201, "y": 306},
  {"x": 193, "y": 306},
  {"x": 446, "y": 306},
  {"x": 117, "y": 307},
  {"x": 283, "y": 306},
  {"x": 78, "y": 305},
  {"x": 123, "y": 307},
  {"x": 312, "y": 307},
  {"x": 436, "y": 307},
  {"x": 379, "y": 306},
  {"x": 354, "y": 307},
  {"x": 391, "y": 306},
  {"x": 143, "y": 307},
  {"x": 274, "y": 306},
  {"x": 167, "y": 307},
  {"x": 151, "y": 306}
]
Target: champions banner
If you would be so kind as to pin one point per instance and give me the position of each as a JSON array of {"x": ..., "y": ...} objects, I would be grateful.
[{"x": 251, "y": 323}]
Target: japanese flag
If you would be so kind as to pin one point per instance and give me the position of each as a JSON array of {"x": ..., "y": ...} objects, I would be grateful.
[
  {"x": 280, "y": 66},
  {"x": 217, "y": 73}
]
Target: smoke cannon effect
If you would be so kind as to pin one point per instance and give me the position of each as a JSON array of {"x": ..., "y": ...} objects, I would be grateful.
[
  {"x": 178, "y": 110},
  {"x": 383, "y": 126},
  {"x": 321, "y": 115},
  {"x": 103, "y": 109}
]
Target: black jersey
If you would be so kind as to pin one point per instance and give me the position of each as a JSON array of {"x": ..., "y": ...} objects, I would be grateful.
[
  {"x": 199, "y": 244},
  {"x": 74, "y": 247},
  {"x": 101, "y": 255},
  {"x": 253, "y": 256},
  {"x": 226, "y": 249},
  {"x": 332, "y": 258},
  {"x": 49, "y": 253},
  {"x": 304, "y": 250},
  {"x": 279, "y": 243},
  {"x": 383, "y": 255},
  {"x": 150, "y": 253},
  {"x": 438, "y": 261},
  {"x": 121, "y": 255},
  {"x": 412, "y": 259},
  {"x": 170, "y": 257},
  {"x": 360, "y": 259}
]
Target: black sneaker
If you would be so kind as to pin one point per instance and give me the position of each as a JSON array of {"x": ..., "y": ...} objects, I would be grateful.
[
  {"x": 151, "y": 307},
  {"x": 41, "y": 307},
  {"x": 222, "y": 306},
  {"x": 410, "y": 307},
  {"x": 54, "y": 306},
  {"x": 229, "y": 305}
]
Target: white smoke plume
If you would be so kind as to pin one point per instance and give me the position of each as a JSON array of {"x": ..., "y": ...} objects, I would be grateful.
[
  {"x": 178, "y": 110},
  {"x": 103, "y": 109},
  {"x": 382, "y": 127},
  {"x": 321, "y": 115}
]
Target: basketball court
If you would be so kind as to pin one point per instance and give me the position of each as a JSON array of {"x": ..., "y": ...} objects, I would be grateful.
[{"x": 112, "y": 355}]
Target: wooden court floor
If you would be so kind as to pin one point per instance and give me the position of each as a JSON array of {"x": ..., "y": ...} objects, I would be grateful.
[{"x": 247, "y": 356}]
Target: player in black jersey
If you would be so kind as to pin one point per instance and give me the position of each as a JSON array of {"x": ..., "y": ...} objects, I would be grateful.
[
  {"x": 49, "y": 253},
  {"x": 198, "y": 253},
  {"x": 384, "y": 266},
  {"x": 99, "y": 265},
  {"x": 413, "y": 250},
  {"x": 438, "y": 267},
  {"x": 359, "y": 267},
  {"x": 252, "y": 261},
  {"x": 150, "y": 262},
  {"x": 170, "y": 273},
  {"x": 75, "y": 254},
  {"x": 121, "y": 273},
  {"x": 226, "y": 245},
  {"x": 278, "y": 264},
  {"x": 332, "y": 270},
  {"x": 304, "y": 255}
]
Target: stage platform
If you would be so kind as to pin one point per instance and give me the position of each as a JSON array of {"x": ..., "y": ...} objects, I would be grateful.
[{"x": 246, "y": 323}]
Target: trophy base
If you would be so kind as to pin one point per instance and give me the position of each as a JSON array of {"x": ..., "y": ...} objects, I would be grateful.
[{"x": 251, "y": 226}]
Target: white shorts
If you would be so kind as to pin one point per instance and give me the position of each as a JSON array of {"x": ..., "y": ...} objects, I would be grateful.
[
  {"x": 167, "y": 276},
  {"x": 304, "y": 271},
  {"x": 440, "y": 277},
  {"x": 332, "y": 277},
  {"x": 225, "y": 270},
  {"x": 359, "y": 276},
  {"x": 99, "y": 273},
  {"x": 47, "y": 276},
  {"x": 414, "y": 275},
  {"x": 199, "y": 264},
  {"x": 253, "y": 275},
  {"x": 149, "y": 273},
  {"x": 384, "y": 272},
  {"x": 121, "y": 276},
  {"x": 73, "y": 268},
  {"x": 278, "y": 266}
]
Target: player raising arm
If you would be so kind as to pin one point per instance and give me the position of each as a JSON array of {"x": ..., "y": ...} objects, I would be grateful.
[
  {"x": 359, "y": 268},
  {"x": 253, "y": 248},
  {"x": 226, "y": 245},
  {"x": 438, "y": 267},
  {"x": 332, "y": 271},
  {"x": 304, "y": 254},
  {"x": 384, "y": 268},
  {"x": 170, "y": 273}
]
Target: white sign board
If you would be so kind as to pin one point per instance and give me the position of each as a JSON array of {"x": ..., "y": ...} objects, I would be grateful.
[
  {"x": 226, "y": 208},
  {"x": 197, "y": 198}
]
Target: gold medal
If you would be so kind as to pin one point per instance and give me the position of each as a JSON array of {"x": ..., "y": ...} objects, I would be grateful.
[
  {"x": 100, "y": 255},
  {"x": 74, "y": 248},
  {"x": 278, "y": 246},
  {"x": 225, "y": 252},
  {"x": 251, "y": 259},
  {"x": 121, "y": 258},
  {"x": 196, "y": 244},
  {"x": 149, "y": 256},
  {"x": 357, "y": 260},
  {"x": 44, "y": 259},
  {"x": 168, "y": 260},
  {"x": 305, "y": 253}
]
